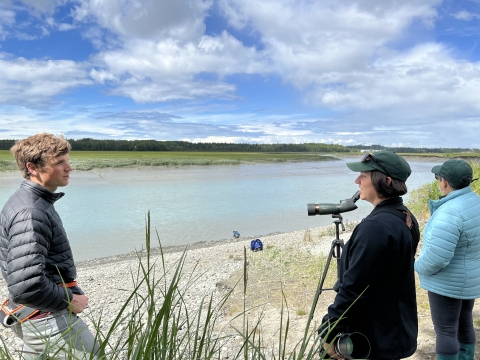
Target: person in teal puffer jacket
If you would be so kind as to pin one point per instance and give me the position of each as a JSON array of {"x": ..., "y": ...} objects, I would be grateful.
[{"x": 449, "y": 263}]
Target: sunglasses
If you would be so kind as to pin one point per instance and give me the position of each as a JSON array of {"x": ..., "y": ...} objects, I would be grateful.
[
  {"x": 438, "y": 177},
  {"x": 367, "y": 157}
]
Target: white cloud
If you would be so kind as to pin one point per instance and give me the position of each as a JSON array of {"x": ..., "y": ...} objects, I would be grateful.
[
  {"x": 306, "y": 39},
  {"x": 20, "y": 122},
  {"x": 465, "y": 15},
  {"x": 425, "y": 80},
  {"x": 147, "y": 19},
  {"x": 277, "y": 129},
  {"x": 149, "y": 71},
  {"x": 160, "y": 52},
  {"x": 219, "y": 139},
  {"x": 65, "y": 27},
  {"x": 38, "y": 19},
  {"x": 101, "y": 76},
  {"x": 35, "y": 82},
  {"x": 96, "y": 36},
  {"x": 7, "y": 19},
  {"x": 39, "y": 7},
  {"x": 335, "y": 50},
  {"x": 341, "y": 56},
  {"x": 146, "y": 92}
]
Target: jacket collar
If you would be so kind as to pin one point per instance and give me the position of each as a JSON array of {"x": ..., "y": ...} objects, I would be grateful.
[
  {"x": 41, "y": 191},
  {"x": 392, "y": 201},
  {"x": 435, "y": 204},
  {"x": 387, "y": 203}
]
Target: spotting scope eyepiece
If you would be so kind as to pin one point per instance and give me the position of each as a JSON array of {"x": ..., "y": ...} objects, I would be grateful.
[
  {"x": 326, "y": 209},
  {"x": 351, "y": 346}
]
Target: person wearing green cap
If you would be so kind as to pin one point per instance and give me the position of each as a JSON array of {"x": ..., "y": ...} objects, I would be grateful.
[
  {"x": 449, "y": 263},
  {"x": 376, "y": 275}
]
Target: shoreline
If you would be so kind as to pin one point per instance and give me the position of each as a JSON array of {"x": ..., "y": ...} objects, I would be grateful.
[
  {"x": 332, "y": 157},
  {"x": 140, "y": 172},
  {"x": 214, "y": 266},
  {"x": 172, "y": 249},
  {"x": 108, "y": 281}
]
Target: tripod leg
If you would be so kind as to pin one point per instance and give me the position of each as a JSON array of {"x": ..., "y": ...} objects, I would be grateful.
[
  {"x": 322, "y": 279},
  {"x": 335, "y": 251},
  {"x": 337, "y": 254}
]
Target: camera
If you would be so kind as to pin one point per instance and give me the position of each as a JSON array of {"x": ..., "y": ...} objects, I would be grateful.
[
  {"x": 351, "y": 346},
  {"x": 326, "y": 209}
]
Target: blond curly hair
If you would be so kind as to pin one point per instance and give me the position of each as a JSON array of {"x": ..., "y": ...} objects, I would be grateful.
[{"x": 38, "y": 149}]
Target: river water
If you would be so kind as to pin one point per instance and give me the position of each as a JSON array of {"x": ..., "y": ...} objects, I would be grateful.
[{"x": 104, "y": 211}]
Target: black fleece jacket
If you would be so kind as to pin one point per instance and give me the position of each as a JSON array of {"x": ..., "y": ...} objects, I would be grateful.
[{"x": 378, "y": 259}]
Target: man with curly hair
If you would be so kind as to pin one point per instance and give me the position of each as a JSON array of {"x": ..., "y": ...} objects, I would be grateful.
[{"x": 36, "y": 259}]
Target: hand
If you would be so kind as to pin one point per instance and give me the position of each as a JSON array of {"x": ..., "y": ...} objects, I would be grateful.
[
  {"x": 330, "y": 350},
  {"x": 78, "y": 303}
]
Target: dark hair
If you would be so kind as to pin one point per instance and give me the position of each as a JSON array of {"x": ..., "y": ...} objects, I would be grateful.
[
  {"x": 462, "y": 184},
  {"x": 383, "y": 189}
]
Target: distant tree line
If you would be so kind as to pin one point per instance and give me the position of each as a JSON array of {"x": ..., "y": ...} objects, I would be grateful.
[
  {"x": 89, "y": 144},
  {"x": 401, "y": 149},
  {"x": 6, "y": 144}
]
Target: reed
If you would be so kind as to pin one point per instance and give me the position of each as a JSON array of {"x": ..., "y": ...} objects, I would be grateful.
[
  {"x": 88, "y": 160},
  {"x": 155, "y": 321}
]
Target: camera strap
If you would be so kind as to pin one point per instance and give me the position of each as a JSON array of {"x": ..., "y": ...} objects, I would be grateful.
[
  {"x": 405, "y": 215},
  {"x": 19, "y": 314},
  {"x": 11, "y": 313}
]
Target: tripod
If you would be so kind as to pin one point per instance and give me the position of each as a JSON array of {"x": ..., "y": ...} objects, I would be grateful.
[{"x": 335, "y": 252}]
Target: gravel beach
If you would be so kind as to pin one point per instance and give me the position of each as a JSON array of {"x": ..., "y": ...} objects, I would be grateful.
[{"x": 102, "y": 279}]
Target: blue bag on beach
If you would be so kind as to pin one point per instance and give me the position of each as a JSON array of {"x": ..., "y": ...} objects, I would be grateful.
[{"x": 256, "y": 245}]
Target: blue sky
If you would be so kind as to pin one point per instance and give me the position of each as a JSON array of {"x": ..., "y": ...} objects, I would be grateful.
[{"x": 395, "y": 73}]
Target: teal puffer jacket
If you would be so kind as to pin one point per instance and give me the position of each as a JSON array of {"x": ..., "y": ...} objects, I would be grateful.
[{"x": 449, "y": 263}]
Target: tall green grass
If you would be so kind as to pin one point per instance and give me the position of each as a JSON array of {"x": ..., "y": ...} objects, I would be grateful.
[
  {"x": 87, "y": 160},
  {"x": 155, "y": 322}
]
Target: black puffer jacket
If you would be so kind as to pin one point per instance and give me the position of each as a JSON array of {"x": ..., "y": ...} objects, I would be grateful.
[{"x": 35, "y": 255}]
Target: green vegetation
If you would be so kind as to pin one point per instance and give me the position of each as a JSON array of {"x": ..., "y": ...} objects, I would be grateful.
[
  {"x": 416, "y": 150},
  {"x": 88, "y": 153},
  {"x": 446, "y": 155},
  {"x": 154, "y": 145},
  {"x": 89, "y": 144},
  {"x": 155, "y": 322},
  {"x": 87, "y": 160},
  {"x": 275, "y": 275},
  {"x": 331, "y": 230}
]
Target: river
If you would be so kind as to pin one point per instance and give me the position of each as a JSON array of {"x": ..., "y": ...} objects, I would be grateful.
[{"x": 104, "y": 211}]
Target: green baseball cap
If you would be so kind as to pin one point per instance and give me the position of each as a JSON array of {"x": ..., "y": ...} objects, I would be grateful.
[
  {"x": 386, "y": 162},
  {"x": 457, "y": 172}
]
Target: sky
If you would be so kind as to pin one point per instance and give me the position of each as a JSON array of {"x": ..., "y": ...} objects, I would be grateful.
[{"x": 388, "y": 72}]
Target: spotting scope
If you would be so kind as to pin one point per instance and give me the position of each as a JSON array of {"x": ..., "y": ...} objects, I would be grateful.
[
  {"x": 326, "y": 209},
  {"x": 351, "y": 346}
]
